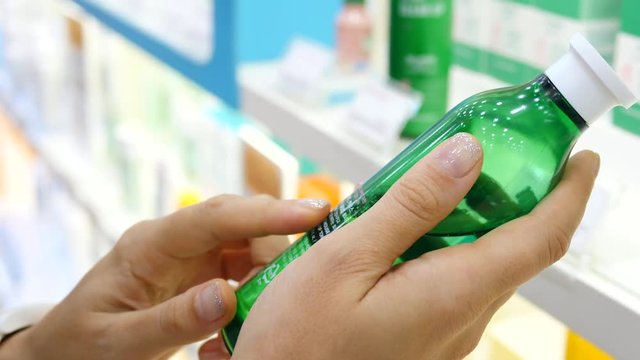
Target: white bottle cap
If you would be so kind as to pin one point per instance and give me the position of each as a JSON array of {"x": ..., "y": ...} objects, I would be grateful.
[{"x": 587, "y": 81}]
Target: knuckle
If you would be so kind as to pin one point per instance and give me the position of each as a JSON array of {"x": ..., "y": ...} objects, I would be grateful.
[
  {"x": 558, "y": 242},
  {"x": 214, "y": 205},
  {"x": 217, "y": 202},
  {"x": 264, "y": 197},
  {"x": 169, "y": 319},
  {"x": 343, "y": 263},
  {"x": 419, "y": 198},
  {"x": 135, "y": 232}
]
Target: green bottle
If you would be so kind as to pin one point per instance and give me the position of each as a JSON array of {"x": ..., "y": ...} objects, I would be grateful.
[
  {"x": 527, "y": 133},
  {"x": 420, "y": 52}
]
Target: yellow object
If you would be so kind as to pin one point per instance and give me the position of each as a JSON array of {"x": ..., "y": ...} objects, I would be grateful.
[
  {"x": 580, "y": 349},
  {"x": 319, "y": 187},
  {"x": 189, "y": 197}
]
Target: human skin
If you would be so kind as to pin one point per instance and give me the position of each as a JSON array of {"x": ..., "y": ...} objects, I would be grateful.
[{"x": 163, "y": 284}]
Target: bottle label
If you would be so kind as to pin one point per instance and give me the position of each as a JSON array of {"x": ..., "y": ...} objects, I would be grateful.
[
  {"x": 422, "y": 9},
  {"x": 347, "y": 211},
  {"x": 264, "y": 277},
  {"x": 422, "y": 64}
]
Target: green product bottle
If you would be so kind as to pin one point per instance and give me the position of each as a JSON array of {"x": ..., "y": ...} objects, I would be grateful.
[
  {"x": 420, "y": 52},
  {"x": 527, "y": 133}
]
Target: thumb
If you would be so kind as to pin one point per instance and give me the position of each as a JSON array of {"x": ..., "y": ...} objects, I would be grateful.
[
  {"x": 184, "y": 319},
  {"x": 418, "y": 201}
]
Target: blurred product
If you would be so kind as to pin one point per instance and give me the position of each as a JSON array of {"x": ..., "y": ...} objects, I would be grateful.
[
  {"x": 354, "y": 36},
  {"x": 420, "y": 55},
  {"x": 580, "y": 349},
  {"x": 628, "y": 62},
  {"x": 319, "y": 187},
  {"x": 268, "y": 169},
  {"x": 512, "y": 40}
]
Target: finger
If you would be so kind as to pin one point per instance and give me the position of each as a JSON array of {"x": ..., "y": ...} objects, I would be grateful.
[
  {"x": 523, "y": 248},
  {"x": 265, "y": 249},
  {"x": 417, "y": 202},
  {"x": 199, "y": 228},
  {"x": 184, "y": 319},
  {"x": 213, "y": 349},
  {"x": 236, "y": 264},
  {"x": 512, "y": 254}
]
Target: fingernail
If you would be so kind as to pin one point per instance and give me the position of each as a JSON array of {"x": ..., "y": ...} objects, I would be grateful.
[
  {"x": 315, "y": 204},
  {"x": 209, "y": 304},
  {"x": 458, "y": 155}
]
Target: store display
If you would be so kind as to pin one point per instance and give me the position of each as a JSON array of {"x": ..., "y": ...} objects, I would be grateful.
[
  {"x": 378, "y": 113},
  {"x": 268, "y": 169},
  {"x": 512, "y": 40},
  {"x": 527, "y": 133},
  {"x": 304, "y": 70},
  {"x": 109, "y": 118},
  {"x": 628, "y": 62},
  {"x": 353, "y": 45},
  {"x": 191, "y": 30},
  {"x": 420, "y": 55}
]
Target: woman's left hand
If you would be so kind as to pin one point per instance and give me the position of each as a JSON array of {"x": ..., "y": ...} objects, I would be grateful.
[{"x": 163, "y": 285}]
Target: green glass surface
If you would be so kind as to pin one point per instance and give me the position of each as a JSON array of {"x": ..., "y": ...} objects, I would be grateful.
[{"x": 527, "y": 133}]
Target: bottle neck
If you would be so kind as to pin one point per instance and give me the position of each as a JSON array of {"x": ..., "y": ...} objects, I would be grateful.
[{"x": 561, "y": 102}]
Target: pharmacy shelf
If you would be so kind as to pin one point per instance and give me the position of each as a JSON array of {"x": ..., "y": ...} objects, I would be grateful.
[
  {"x": 319, "y": 133},
  {"x": 584, "y": 300},
  {"x": 89, "y": 183}
]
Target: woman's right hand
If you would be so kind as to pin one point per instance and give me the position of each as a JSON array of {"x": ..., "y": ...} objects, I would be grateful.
[{"x": 343, "y": 299}]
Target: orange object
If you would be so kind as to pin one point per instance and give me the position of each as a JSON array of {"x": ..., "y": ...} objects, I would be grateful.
[
  {"x": 580, "y": 349},
  {"x": 319, "y": 187}
]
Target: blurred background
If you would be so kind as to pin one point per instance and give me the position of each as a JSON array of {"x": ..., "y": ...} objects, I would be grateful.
[{"x": 114, "y": 111}]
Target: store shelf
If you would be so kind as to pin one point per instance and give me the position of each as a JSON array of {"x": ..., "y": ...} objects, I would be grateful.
[
  {"x": 318, "y": 133},
  {"x": 593, "y": 306},
  {"x": 90, "y": 184},
  {"x": 600, "y": 311}
]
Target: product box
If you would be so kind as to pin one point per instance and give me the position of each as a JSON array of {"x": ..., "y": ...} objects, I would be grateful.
[
  {"x": 511, "y": 37},
  {"x": 206, "y": 40},
  {"x": 471, "y": 33},
  {"x": 627, "y": 60},
  {"x": 514, "y": 40},
  {"x": 598, "y": 20}
]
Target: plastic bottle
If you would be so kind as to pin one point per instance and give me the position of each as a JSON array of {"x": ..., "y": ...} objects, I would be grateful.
[
  {"x": 354, "y": 35},
  {"x": 420, "y": 55},
  {"x": 527, "y": 133}
]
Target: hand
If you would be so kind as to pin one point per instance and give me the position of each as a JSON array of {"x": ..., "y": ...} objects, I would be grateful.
[
  {"x": 343, "y": 299},
  {"x": 154, "y": 291}
]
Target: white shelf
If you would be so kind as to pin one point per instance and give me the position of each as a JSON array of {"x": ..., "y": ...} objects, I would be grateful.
[
  {"x": 593, "y": 306},
  {"x": 319, "y": 133},
  {"x": 90, "y": 184}
]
